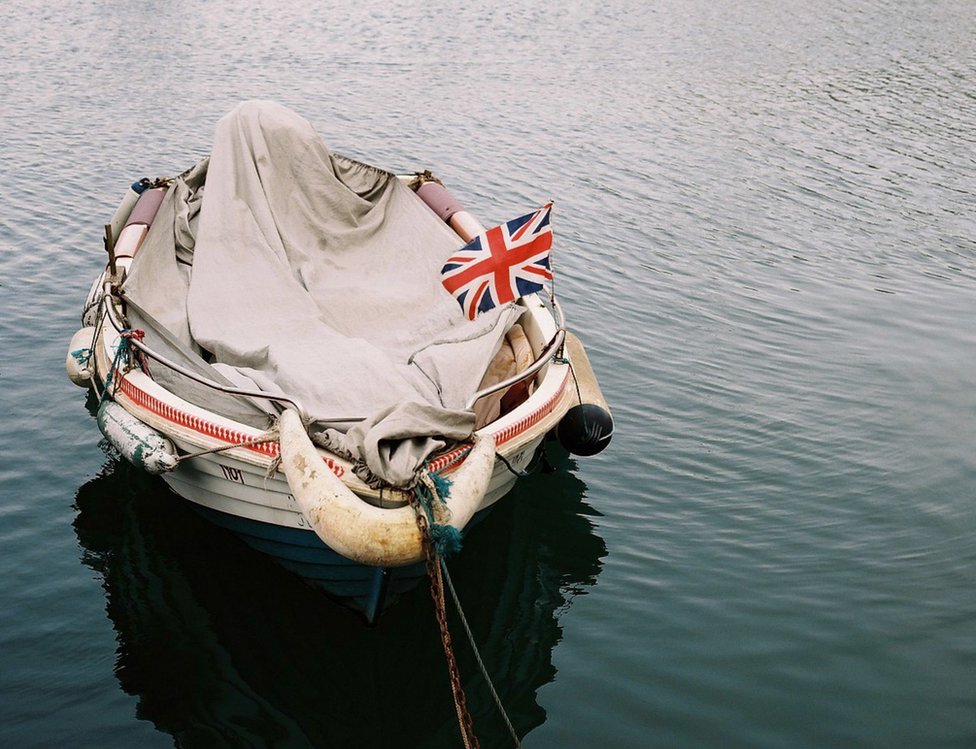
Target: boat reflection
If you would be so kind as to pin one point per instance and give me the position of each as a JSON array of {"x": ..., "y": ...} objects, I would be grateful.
[{"x": 222, "y": 647}]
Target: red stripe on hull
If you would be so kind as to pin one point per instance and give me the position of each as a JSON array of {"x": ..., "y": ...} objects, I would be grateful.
[{"x": 270, "y": 449}]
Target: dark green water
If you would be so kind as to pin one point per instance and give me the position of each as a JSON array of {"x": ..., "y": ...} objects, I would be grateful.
[{"x": 766, "y": 236}]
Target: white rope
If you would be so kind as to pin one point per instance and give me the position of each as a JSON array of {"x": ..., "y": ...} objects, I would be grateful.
[
  {"x": 477, "y": 655},
  {"x": 270, "y": 436}
]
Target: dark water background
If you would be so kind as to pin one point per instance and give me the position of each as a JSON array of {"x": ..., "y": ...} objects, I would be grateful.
[{"x": 766, "y": 234}]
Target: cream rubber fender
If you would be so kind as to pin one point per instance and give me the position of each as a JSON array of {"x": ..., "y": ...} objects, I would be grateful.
[
  {"x": 78, "y": 363},
  {"x": 360, "y": 531}
]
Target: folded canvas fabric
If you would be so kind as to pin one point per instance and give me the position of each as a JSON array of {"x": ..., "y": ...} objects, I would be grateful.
[{"x": 319, "y": 276}]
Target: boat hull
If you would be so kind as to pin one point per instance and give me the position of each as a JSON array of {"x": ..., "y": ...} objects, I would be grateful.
[
  {"x": 261, "y": 511},
  {"x": 239, "y": 489}
]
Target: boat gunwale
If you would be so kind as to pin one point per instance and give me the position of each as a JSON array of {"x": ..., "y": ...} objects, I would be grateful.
[{"x": 188, "y": 423}]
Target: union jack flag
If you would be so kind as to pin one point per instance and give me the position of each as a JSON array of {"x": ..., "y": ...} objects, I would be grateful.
[{"x": 501, "y": 264}]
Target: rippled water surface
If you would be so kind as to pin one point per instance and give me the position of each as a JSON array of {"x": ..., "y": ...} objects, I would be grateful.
[{"x": 766, "y": 237}]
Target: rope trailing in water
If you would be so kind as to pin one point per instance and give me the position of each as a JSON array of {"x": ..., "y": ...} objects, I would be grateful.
[
  {"x": 428, "y": 503},
  {"x": 477, "y": 655},
  {"x": 433, "y": 567}
]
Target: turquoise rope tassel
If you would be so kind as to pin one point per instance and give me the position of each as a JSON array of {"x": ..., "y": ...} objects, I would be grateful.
[
  {"x": 82, "y": 355},
  {"x": 446, "y": 538}
]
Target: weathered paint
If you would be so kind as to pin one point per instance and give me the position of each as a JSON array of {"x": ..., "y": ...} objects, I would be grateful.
[
  {"x": 79, "y": 362},
  {"x": 138, "y": 443},
  {"x": 360, "y": 531}
]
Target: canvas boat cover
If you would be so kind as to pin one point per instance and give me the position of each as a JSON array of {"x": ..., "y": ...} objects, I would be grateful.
[{"x": 280, "y": 266}]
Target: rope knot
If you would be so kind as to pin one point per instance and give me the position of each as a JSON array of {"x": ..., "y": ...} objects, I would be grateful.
[
  {"x": 432, "y": 493},
  {"x": 82, "y": 355},
  {"x": 135, "y": 334},
  {"x": 124, "y": 356}
]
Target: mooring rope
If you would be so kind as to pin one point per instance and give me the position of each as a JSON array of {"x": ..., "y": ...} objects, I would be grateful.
[
  {"x": 269, "y": 436},
  {"x": 465, "y": 722},
  {"x": 99, "y": 324},
  {"x": 477, "y": 655},
  {"x": 440, "y": 539},
  {"x": 430, "y": 492}
]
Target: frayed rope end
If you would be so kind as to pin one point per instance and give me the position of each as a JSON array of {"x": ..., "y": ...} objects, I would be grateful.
[
  {"x": 446, "y": 539},
  {"x": 432, "y": 491}
]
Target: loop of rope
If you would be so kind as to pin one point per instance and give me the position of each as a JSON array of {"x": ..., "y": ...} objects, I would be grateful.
[{"x": 538, "y": 458}]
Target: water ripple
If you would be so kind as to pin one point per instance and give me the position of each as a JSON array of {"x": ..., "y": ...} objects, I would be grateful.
[{"x": 765, "y": 238}]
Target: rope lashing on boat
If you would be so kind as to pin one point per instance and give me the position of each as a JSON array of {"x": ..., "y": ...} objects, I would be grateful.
[
  {"x": 82, "y": 355},
  {"x": 124, "y": 353},
  {"x": 419, "y": 178},
  {"x": 134, "y": 334},
  {"x": 269, "y": 436},
  {"x": 432, "y": 492}
]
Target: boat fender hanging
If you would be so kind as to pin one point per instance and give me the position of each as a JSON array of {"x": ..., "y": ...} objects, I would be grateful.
[
  {"x": 127, "y": 203},
  {"x": 78, "y": 363},
  {"x": 448, "y": 209},
  {"x": 130, "y": 239},
  {"x": 587, "y": 427},
  {"x": 137, "y": 442}
]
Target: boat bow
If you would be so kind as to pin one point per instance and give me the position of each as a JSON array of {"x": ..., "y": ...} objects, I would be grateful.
[{"x": 370, "y": 535}]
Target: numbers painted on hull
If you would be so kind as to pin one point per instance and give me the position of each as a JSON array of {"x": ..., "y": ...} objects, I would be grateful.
[{"x": 232, "y": 474}]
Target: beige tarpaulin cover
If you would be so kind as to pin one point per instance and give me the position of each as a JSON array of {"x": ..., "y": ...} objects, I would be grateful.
[{"x": 311, "y": 274}]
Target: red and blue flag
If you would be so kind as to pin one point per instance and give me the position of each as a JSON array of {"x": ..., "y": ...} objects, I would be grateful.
[{"x": 501, "y": 264}]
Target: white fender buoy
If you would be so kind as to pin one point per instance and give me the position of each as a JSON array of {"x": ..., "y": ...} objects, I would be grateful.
[
  {"x": 126, "y": 205},
  {"x": 80, "y": 359},
  {"x": 448, "y": 209},
  {"x": 138, "y": 443},
  {"x": 360, "y": 531}
]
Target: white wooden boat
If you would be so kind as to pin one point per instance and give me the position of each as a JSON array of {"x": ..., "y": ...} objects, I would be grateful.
[{"x": 319, "y": 512}]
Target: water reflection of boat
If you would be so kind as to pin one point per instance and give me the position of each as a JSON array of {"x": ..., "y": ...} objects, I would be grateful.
[{"x": 224, "y": 648}]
